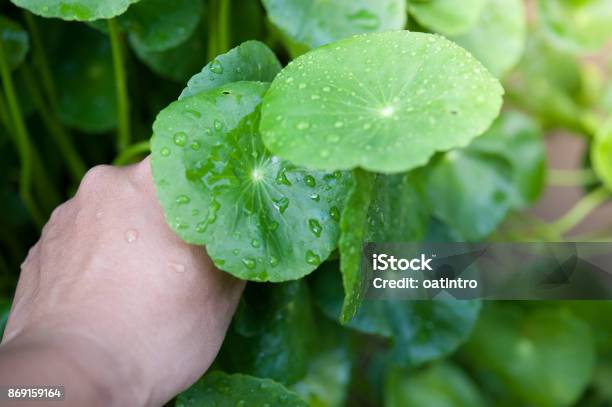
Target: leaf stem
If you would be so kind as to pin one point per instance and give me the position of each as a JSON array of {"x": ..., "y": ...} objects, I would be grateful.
[
  {"x": 224, "y": 41},
  {"x": 123, "y": 107},
  {"x": 571, "y": 178},
  {"x": 22, "y": 139},
  {"x": 212, "y": 29},
  {"x": 131, "y": 152},
  {"x": 75, "y": 164},
  {"x": 575, "y": 215}
]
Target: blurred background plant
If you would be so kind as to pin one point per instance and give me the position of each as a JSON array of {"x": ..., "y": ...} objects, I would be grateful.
[{"x": 79, "y": 93}]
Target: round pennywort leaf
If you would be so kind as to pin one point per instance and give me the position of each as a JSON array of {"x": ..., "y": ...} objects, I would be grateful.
[
  {"x": 385, "y": 102},
  {"x": 261, "y": 217},
  {"x": 80, "y": 10},
  {"x": 314, "y": 23}
]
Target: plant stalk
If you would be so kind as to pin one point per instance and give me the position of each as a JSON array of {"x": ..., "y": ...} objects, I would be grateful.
[
  {"x": 575, "y": 215},
  {"x": 571, "y": 178},
  {"x": 22, "y": 139},
  {"x": 75, "y": 164},
  {"x": 123, "y": 107},
  {"x": 127, "y": 156}
]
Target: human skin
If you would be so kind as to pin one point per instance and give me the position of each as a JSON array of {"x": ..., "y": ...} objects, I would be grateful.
[{"x": 111, "y": 303}]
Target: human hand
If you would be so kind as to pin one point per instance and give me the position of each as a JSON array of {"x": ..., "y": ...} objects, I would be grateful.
[{"x": 111, "y": 297}]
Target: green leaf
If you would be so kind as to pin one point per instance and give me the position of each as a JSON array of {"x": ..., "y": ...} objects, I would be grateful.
[
  {"x": 84, "y": 77},
  {"x": 422, "y": 331},
  {"x": 353, "y": 229},
  {"x": 601, "y": 154},
  {"x": 509, "y": 162},
  {"x": 158, "y": 25},
  {"x": 80, "y": 10},
  {"x": 273, "y": 333},
  {"x": 471, "y": 192},
  {"x": 448, "y": 17},
  {"x": 544, "y": 356},
  {"x": 498, "y": 37},
  {"x": 519, "y": 140},
  {"x": 584, "y": 25},
  {"x": 261, "y": 218},
  {"x": 314, "y": 23},
  {"x": 384, "y": 102},
  {"x": 220, "y": 389},
  {"x": 546, "y": 83},
  {"x": 440, "y": 385},
  {"x": 250, "y": 61},
  {"x": 15, "y": 42},
  {"x": 178, "y": 63},
  {"x": 372, "y": 202}
]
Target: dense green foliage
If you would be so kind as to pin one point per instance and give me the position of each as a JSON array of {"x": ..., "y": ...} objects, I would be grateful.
[{"x": 285, "y": 134}]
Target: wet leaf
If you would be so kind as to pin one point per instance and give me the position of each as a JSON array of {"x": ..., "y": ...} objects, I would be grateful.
[
  {"x": 81, "y": 10},
  {"x": 221, "y": 389},
  {"x": 373, "y": 201},
  {"x": 261, "y": 218},
  {"x": 448, "y": 17},
  {"x": 250, "y": 61},
  {"x": 313, "y": 23},
  {"x": 15, "y": 42},
  {"x": 159, "y": 25},
  {"x": 353, "y": 229},
  {"x": 498, "y": 37},
  {"x": 383, "y": 102}
]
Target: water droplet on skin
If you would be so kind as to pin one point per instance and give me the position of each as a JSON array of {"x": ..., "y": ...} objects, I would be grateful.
[
  {"x": 177, "y": 267},
  {"x": 131, "y": 235},
  {"x": 182, "y": 199},
  {"x": 165, "y": 152},
  {"x": 249, "y": 263},
  {"x": 255, "y": 243},
  {"x": 334, "y": 213},
  {"x": 180, "y": 138},
  {"x": 312, "y": 258},
  {"x": 216, "y": 67},
  {"x": 315, "y": 227},
  {"x": 303, "y": 125},
  {"x": 310, "y": 181}
]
